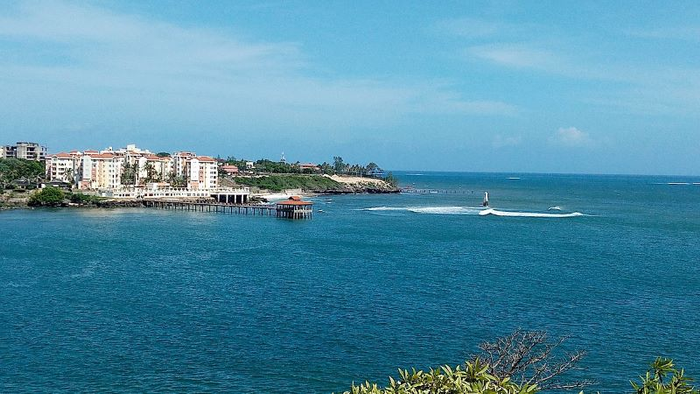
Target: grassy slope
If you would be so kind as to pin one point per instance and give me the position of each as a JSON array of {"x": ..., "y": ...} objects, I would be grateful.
[{"x": 313, "y": 183}]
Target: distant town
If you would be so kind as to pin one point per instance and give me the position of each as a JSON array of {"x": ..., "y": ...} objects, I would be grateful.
[{"x": 132, "y": 172}]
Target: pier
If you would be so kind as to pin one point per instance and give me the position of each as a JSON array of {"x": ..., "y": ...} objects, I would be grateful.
[
  {"x": 413, "y": 190},
  {"x": 291, "y": 209}
]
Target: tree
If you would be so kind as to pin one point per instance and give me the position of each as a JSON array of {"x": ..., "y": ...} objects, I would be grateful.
[
  {"x": 49, "y": 196},
  {"x": 13, "y": 169},
  {"x": 654, "y": 382},
  {"x": 391, "y": 179},
  {"x": 163, "y": 154},
  {"x": 519, "y": 364},
  {"x": 529, "y": 357},
  {"x": 338, "y": 165},
  {"x": 129, "y": 173},
  {"x": 473, "y": 378},
  {"x": 151, "y": 173}
]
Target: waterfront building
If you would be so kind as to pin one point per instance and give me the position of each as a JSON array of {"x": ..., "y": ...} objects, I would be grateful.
[
  {"x": 106, "y": 169},
  {"x": 230, "y": 169},
  {"x": 309, "y": 166},
  {"x": 101, "y": 171},
  {"x": 200, "y": 172},
  {"x": 295, "y": 208},
  {"x": 64, "y": 167},
  {"x": 24, "y": 150}
]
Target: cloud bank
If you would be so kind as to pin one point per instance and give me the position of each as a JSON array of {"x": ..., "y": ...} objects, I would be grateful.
[
  {"x": 571, "y": 137},
  {"x": 106, "y": 68}
]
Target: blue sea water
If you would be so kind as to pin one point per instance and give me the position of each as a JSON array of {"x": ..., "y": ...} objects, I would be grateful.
[{"x": 140, "y": 300}]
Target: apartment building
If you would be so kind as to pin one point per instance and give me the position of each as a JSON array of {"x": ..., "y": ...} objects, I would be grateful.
[
  {"x": 101, "y": 171},
  {"x": 64, "y": 167},
  {"x": 24, "y": 150},
  {"x": 105, "y": 169}
]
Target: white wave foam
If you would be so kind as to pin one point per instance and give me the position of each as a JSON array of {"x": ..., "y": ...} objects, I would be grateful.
[
  {"x": 554, "y": 208},
  {"x": 430, "y": 210},
  {"x": 385, "y": 209},
  {"x": 495, "y": 212},
  {"x": 446, "y": 210}
]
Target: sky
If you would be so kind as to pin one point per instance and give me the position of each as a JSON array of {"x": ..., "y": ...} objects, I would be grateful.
[{"x": 500, "y": 86}]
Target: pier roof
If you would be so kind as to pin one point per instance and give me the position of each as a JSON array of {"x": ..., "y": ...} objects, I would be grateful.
[{"x": 295, "y": 202}]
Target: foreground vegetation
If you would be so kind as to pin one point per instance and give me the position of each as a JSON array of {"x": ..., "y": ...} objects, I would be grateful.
[
  {"x": 521, "y": 363},
  {"x": 55, "y": 197},
  {"x": 13, "y": 170},
  {"x": 316, "y": 183}
]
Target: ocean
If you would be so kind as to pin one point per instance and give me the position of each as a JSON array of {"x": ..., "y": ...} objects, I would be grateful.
[{"x": 141, "y": 300}]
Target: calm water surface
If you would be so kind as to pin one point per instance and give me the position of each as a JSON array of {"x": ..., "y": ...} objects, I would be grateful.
[{"x": 150, "y": 300}]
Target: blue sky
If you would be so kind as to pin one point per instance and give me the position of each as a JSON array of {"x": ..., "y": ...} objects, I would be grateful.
[{"x": 560, "y": 86}]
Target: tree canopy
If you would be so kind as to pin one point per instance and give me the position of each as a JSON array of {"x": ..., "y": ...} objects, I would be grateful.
[
  {"x": 13, "y": 169},
  {"x": 49, "y": 197}
]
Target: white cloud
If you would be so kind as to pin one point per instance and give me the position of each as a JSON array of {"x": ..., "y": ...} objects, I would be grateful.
[
  {"x": 500, "y": 141},
  {"x": 571, "y": 137},
  {"x": 92, "y": 62},
  {"x": 637, "y": 88}
]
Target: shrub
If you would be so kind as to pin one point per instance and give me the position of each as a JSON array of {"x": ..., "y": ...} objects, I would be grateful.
[
  {"x": 84, "y": 199},
  {"x": 655, "y": 380},
  {"x": 473, "y": 378},
  {"x": 49, "y": 196}
]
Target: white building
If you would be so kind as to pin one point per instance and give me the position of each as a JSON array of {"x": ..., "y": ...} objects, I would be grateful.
[
  {"x": 24, "y": 150},
  {"x": 101, "y": 171},
  {"x": 64, "y": 167},
  {"x": 104, "y": 170}
]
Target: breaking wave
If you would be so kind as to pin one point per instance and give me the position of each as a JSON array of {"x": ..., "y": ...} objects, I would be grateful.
[
  {"x": 495, "y": 212},
  {"x": 430, "y": 210},
  {"x": 473, "y": 211}
]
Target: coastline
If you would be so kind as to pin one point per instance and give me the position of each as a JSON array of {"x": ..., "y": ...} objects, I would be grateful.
[{"x": 347, "y": 185}]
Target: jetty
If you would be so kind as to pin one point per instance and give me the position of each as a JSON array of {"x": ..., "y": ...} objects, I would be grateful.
[
  {"x": 412, "y": 190},
  {"x": 294, "y": 208}
]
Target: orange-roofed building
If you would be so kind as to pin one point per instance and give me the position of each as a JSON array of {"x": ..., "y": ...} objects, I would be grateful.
[{"x": 295, "y": 208}]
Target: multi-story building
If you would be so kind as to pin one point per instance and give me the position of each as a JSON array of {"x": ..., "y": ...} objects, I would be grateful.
[
  {"x": 208, "y": 173},
  {"x": 107, "y": 169},
  {"x": 154, "y": 168},
  {"x": 64, "y": 167},
  {"x": 180, "y": 160},
  {"x": 24, "y": 150},
  {"x": 101, "y": 171}
]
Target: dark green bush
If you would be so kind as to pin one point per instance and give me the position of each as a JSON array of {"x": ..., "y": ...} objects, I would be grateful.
[{"x": 49, "y": 196}]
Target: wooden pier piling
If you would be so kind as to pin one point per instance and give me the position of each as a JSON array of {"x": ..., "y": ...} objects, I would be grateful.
[{"x": 280, "y": 210}]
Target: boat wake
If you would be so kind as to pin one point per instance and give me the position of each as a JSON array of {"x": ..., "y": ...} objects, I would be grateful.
[
  {"x": 495, "y": 212},
  {"x": 431, "y": 210},
  {"x": 473, "y": 211}
]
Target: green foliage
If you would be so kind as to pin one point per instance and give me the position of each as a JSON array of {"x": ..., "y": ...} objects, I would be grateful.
[
  {"x": 391, "y": 179},
  {"x": 49, "y": 196},
  {"x": 472, "y": 378},
  {"x": 84, "y": 199},
  {"x": 274, "y": 167},
  {"x": 129, "y": 173},
  {"x": 151, "y": 174},
  {"x": 315, "y": 183},
  {"x": 475, "y": 377},
  {"x": 655, "y": 381},
  {"x": 339, "y": 166},
  {"x": 13, "y": 169},
  {"x": 163, "y": 154}
]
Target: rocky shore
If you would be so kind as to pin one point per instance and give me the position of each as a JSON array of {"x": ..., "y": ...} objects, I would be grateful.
[{"x": 351, "y": 185}]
